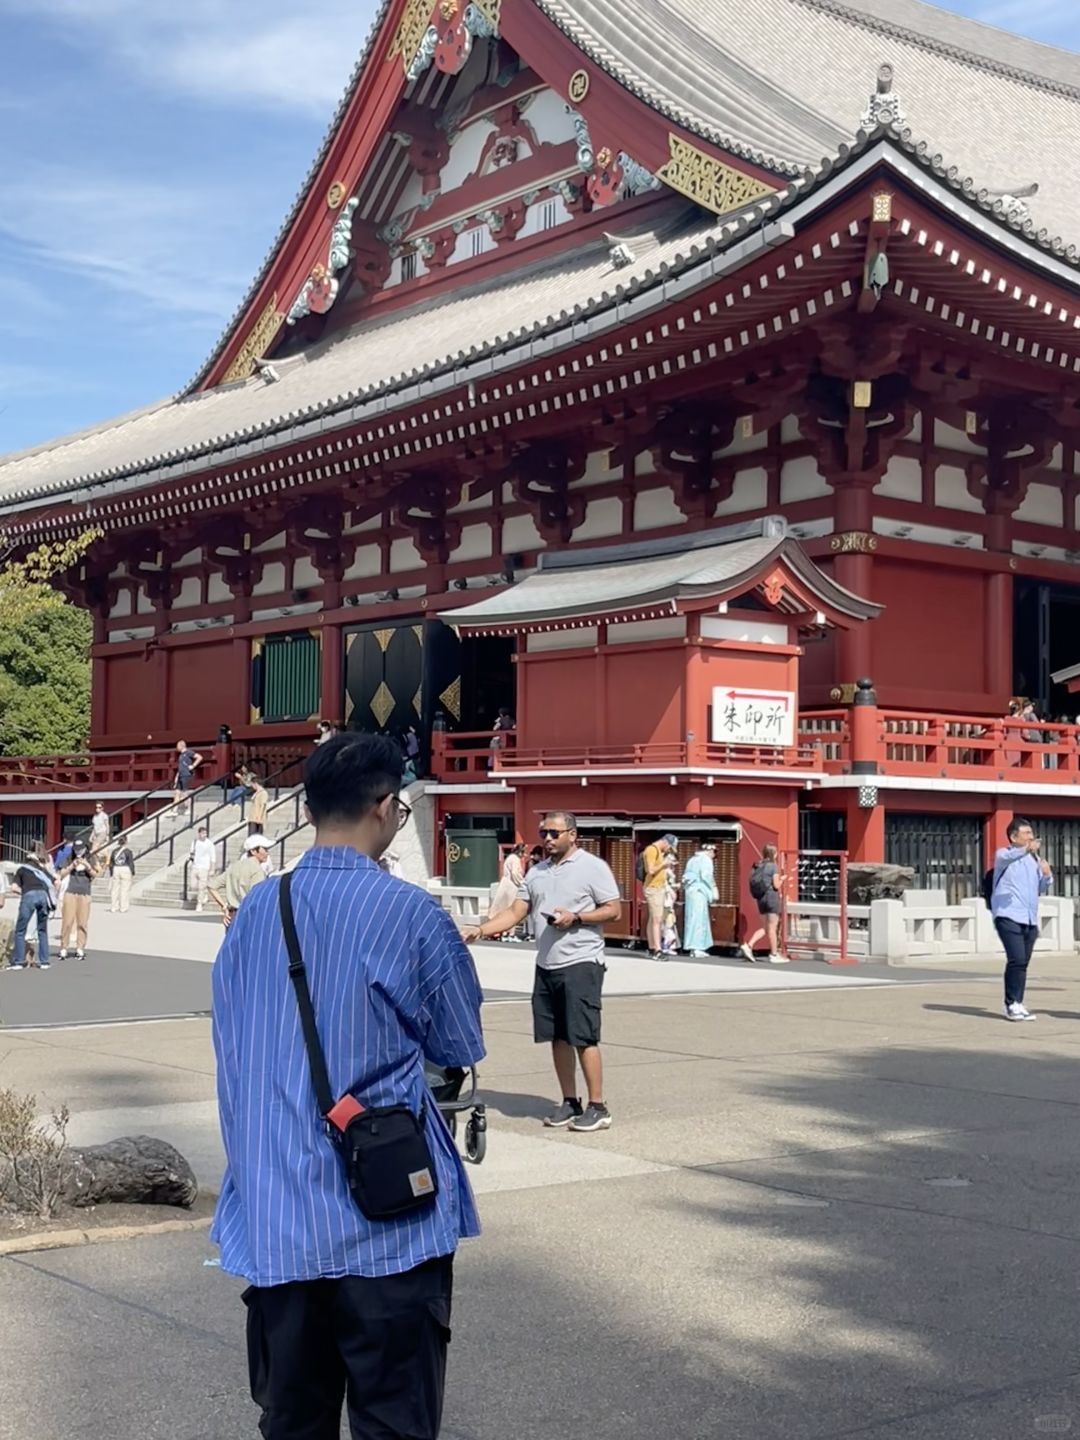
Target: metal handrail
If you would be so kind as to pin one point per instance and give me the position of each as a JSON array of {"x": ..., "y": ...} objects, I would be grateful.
[
  {"x": 278, "y": 844},
  {"x": 205, "y": 818},
  {"x": 129, "y": 830}
]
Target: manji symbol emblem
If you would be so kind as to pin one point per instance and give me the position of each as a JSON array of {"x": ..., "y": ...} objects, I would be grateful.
[{"x": 579, "y": 86}]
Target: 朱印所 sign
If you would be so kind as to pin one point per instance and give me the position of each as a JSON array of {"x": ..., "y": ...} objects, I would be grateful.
[{"x": 745, "y": 716}]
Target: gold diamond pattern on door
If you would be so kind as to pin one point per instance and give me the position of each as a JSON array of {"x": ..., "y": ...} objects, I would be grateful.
[{"x": 382, "y": 704}]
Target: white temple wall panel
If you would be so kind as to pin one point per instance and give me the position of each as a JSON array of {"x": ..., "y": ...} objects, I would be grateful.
[
  {"x": 404, "y": 556},
  {"x": 304, "y": 575},
  {"x": 751, "y": 492},
  {"x": 656, "y": 508},
  {"x": 520, "y": 533},
  {"x": 475, "y": 543},
  {"x": 272, "y": 580},
  {"x": 217, "y": 590},
  {"x": 800, "y": 479},
  {"x": 902, "y": 480},
  {"x": 602, "y": 518},
  {"x": 949, "y": 438},
  {"x": 951, "y": 490},
  {"x": 367, "y": 561}
]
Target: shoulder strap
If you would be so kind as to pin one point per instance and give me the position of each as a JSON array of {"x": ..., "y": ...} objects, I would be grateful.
[{"x": 298, "y": 975}]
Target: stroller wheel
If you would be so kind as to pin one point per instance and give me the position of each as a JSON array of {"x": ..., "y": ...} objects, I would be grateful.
[{"x": 476, "y": 1138}]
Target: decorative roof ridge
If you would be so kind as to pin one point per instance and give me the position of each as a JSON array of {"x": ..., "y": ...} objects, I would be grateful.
[
  {"x": 298, "y": 201},
  {"x": 921, "y": 40},
  {"x": 700, "y": 247},
  {"x": 560, "y": 16}
]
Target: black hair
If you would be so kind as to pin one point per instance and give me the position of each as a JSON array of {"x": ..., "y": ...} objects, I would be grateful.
[
  {"x": 349, "y": 774},
  {"x": 1017, "y": 823},
  {"x": 564, "y": 815}
]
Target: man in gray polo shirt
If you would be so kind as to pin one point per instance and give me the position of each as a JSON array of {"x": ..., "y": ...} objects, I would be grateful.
[{"x": 572, "y": 895}]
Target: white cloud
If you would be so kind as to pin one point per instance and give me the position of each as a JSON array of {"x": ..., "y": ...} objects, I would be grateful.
[
  {"x": 265, "y": 53},
  {"x": 155, "y": 243}
]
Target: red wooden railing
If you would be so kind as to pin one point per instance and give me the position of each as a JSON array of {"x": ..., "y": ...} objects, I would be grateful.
[
  {"x": 461, "y": 755},
  {"x": 912, "y": 742},
  {"x": 100, "y": 770}
]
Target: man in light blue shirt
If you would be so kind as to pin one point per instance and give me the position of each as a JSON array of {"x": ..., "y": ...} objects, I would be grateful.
[
  {"x": 338, "y": 1301},
  {"x": 1020, "y": 877}
]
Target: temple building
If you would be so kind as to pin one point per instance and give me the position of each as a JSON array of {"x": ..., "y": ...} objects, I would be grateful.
[{"x": 699, "y": 382}]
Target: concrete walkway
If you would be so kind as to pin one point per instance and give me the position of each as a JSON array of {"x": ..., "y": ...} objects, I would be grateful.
[{"x": 819, "y": 1214}]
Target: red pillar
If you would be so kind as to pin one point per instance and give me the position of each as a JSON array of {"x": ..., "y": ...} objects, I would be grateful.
[
  {"x": 866, "y": 831},
  {"x": 999, "y": 636},
  {"x": 331, "y": 686},
  {"x": 854, "y": 570}
]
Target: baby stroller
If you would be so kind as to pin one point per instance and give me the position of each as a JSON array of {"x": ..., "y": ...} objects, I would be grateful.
[{"x": 446, "y": 1086}]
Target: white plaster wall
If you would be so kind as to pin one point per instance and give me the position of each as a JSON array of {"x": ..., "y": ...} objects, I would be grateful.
[
  {"x": 1057, "y": 459},
  {"x": 475, "y": 543},
  {"x": 596, "y": 471},
  {"x": 602, "y": 518},
  {"x": 750, "y": 493},
  {"x": 520, "y": 533},
  {"x": 655, "y": 508},
  {"x": 756, "y": 632},
  {"x": 190, "y": 592},
  {"x": 404, "y": 556},
  {"x": 949, "y": 438},
  {"x": 902, "y": 480},
  {"x": 800, "y": 479},
  {"x": 304, "y": 575},
  {"x": 191, "y": 558},
  {"x": 464, "y": 156},
  {"x": 143, "y": 604},
  {"x": 789, "y": 429},
  {"x": 629, "y": 632},
  {"x": 950, "y": 490},
  {"x": 744, "y": 444},
  {"x": 1043, "y": 505},
  {"x": 365, "y": 562},
  {"x": 272, "y": 581},
  {"x": 122, "y": 605},
  {"x": 276, "y": 542},
  {"x": 374, "y": 522},
  {"x": 536, "y": 215},
  {"x": 217, "y": 590},
  {"x": 546, "y": 113},
  {"x": 578, "y": 639}
]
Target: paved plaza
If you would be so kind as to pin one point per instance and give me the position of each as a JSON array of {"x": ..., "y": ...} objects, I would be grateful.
[{"x": 832, "y": 1204}]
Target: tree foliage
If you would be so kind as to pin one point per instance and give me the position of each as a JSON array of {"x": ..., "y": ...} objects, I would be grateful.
[{"x": 44, "y": 653}]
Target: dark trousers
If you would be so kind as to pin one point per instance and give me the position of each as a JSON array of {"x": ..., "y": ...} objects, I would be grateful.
[
  {"x": 378, "y": 1343},
  {"x": 1019, "y": 941}
]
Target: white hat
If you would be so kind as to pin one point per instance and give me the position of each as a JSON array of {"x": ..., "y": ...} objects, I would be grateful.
[{"x": 256, "y": 842}]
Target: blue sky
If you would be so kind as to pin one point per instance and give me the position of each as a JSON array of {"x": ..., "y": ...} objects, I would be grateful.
[{"x": 150, "y": 151}]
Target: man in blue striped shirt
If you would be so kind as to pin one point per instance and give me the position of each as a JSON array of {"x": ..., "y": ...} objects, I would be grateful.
[{"x": 338, "y": 1302}]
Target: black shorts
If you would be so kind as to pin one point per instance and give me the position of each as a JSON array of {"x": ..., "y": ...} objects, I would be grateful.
[
  {"x": 566, "y": 1004},
  {"x": 769, "y": 904},
  {"x": 183, "y": 780}
]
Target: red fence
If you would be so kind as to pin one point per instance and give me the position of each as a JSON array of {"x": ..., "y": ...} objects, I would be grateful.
[{"x": 103, "y": 770}]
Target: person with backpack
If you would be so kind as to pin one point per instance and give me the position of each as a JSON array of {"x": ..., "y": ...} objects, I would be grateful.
[
  {"x": 765, "y": 890},
  {"x": 1020, "y": 875}
]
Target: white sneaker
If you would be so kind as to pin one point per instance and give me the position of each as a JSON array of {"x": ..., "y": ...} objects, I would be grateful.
[
  {"x": 779, "y": 960},
  {"x": 746, "y": 953},
  {"x": 1016, "y": 1011}
]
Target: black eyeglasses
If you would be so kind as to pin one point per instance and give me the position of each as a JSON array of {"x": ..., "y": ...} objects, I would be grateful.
[
  {"x": 403, "y": 811},
  {"x": 552, "y": 834}
]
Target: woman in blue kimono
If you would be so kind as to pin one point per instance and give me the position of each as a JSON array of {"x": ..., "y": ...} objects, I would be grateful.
[{"x": 699, "y": 892}]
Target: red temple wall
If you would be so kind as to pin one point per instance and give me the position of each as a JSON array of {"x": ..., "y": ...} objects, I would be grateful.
[{"x": 931, "y": 636}]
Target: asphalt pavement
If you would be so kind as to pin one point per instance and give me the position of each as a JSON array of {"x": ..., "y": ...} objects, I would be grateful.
[{"x": 820, "y": 1213}]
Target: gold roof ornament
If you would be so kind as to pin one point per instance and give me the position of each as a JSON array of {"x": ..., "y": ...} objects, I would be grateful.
[{"x": 708, "y": 181}]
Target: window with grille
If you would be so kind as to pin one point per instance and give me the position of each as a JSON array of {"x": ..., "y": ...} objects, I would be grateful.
[
  {"x": 286, "y": 680},
  {"x": 408, "y": 265},
  {"x": 478, "y": 239},
  {"x": 549, "y": 215}
]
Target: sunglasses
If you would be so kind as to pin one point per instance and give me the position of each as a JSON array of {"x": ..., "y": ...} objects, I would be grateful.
[{"x": 552, "y": 834}]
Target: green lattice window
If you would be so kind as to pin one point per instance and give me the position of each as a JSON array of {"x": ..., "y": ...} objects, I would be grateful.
[{"x": 289, "y": 666}]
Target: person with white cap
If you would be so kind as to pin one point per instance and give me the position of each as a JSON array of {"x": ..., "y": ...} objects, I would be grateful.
[{"x": 242, "y": 875}]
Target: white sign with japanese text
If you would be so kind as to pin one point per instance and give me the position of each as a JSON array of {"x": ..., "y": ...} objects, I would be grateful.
[{"x": 744, "y": 716}]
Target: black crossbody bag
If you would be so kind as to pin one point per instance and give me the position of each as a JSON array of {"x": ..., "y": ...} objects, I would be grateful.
[{"x": 384, "y": 1149}]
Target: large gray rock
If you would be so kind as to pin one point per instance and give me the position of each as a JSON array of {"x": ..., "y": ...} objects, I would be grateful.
[
  {"x": 867, "y": 882},
  {"x": 135, "y": 1170}
]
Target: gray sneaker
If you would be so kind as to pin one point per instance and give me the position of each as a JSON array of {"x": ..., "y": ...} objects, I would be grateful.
[
  {"x": 594, "y": 1117},
  {"x": 563, "y": 1114}
]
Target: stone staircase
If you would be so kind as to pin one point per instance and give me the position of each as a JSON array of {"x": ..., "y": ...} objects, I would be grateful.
[{"x": 161, "y": 884}]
